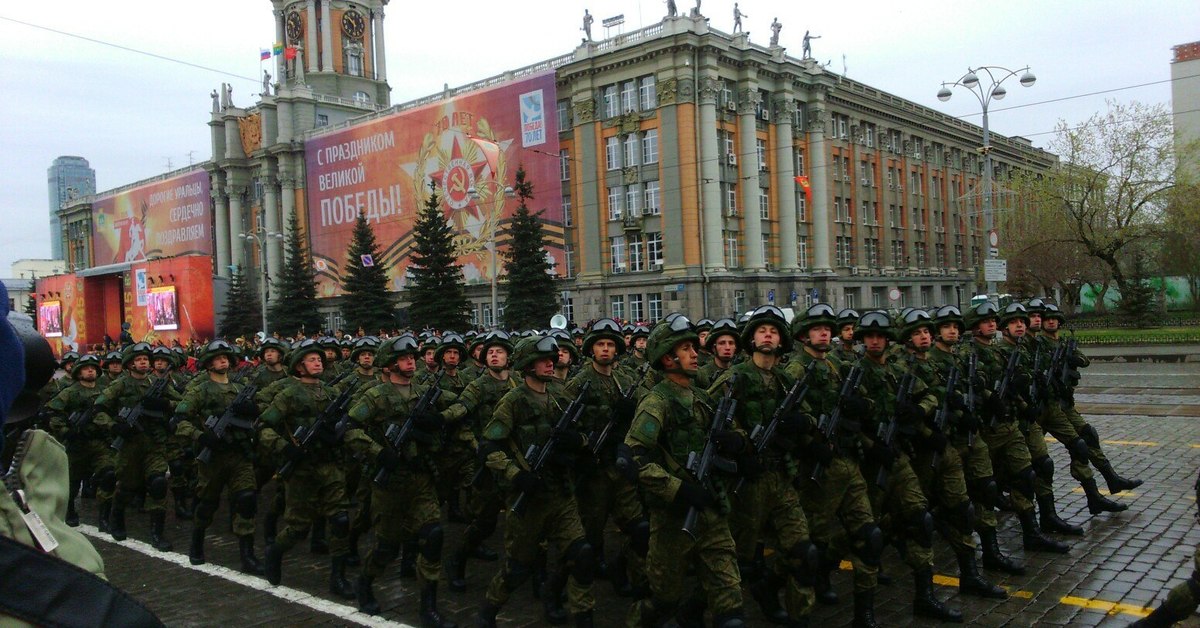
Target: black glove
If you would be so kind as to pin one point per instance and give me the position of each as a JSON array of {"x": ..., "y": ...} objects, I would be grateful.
[
  {"x": 157, "y": 404},
  {"x": 1077, "y": 361},
  {"x": 245, "y": 409},
  {"x": 795, "y": 424},
  {"x": 526, "y": 481},
  {"x": 857, "y": 406},
  {"x": 881, "y": 454},
  {"x": 729, "y": 442},
  {"x": 388, "y": 459},
  {"x": 818, "y": 451},
  {"x": 570, "y": 440},
  {"x": 428, "y": 420},
  {"x": 623, "y": 409},
  {"x": 694, "y": 495},
  {"x": 1073, "y": 378},
  {"x": 968, "y": 422},
  {"x": 291, "y": 451},
  {"x": 121, "y": 428},
  {"x": 749, "y": 466},
  {"x": 208, "y": 439},
  {"x": 911, "y": 413},
  {"x": 1021, "y": 381},
  {"x": 936, "y": 441}
]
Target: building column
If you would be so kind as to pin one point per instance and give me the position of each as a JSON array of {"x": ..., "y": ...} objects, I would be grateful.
[
  {"x": 280, "y": 62},
  {"x": 310, "y": 34},
  {"x": 710, "y": 176},
  {"x": 271, "y": 222},
  {"x": 377, "y": 38},
  {"x": 748, "y": 180},
  {"x": 287, "y": 191},
  {"x": 221, "y": 220},
  {"x": 819, "y": 181},
  {"x": 785, "y": 182},
  {"x": 236, "y": 250},
  {"x": 326, "y": 38}
]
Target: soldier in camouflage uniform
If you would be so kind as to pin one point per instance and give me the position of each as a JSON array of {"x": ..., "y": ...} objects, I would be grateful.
[
  {"x": 316, "y": 489},
  {"x": 142, "y": 461},
  {"x": 1183, "y": 599},
  {"x": 835, "y": 499},
  {"x": 948, "y": 325},
  {"x": 230, "y": 463},
  {"x": 600, "y": 488},
  {"x": 404, "y": 501},
  {"x": 457, "y": 461},
  {"x": 722, "y": 346},
  {"x": 703, "y": 329},
  {"x": 768, "y": 506},
  {"x": 271, "y": 353},
  {"x": 672, "y": 422},
  {"x": 843, "y": 349},
  {"x": 179, "y": 458},
  {"x": 268, "y": 377},
  {"x": 428, "y": 365},
  {"x": 938, "y": 464},
  {"x": 895, "y": 490},
  {"x": 524, "y": 417},
  {"x": 484, "y": 497},
  {"x": 636, "y": 354},
  {"x": 1004, "y": 437},
  {"x": 569, "y": 358},
  {"x": 88, "y": 453},
  {"x": 112, "y": 368}
]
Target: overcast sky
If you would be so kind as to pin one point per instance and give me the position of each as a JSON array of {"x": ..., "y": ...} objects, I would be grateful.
[{"x": 129, "y": 114}]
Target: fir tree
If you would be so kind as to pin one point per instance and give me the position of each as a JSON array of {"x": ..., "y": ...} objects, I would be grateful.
[
  {"x": 436, "y": 289},
  {"x": 31, "y": 302},
  {"x": 1137, "y": 298},
  {"x": 240, "y": 318},
  {"x": 367, "y": 304},
  {"x": 295, "y": 306},
  {"x": 529, "y": 291}
]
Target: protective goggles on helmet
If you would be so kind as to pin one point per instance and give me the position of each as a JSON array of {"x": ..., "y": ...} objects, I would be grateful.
[
  {"x": 875, "y": 320},
  {"x": 606, "y": 324},
  {"x": 768, "y": 310},
  {"x": 820, "y": 309},
  {"x": 405, "y": 343},
  {"x": 678, "y": 324},
  {"x": 947, "y": 311},
  {"x": 497, "y": 335},
  {"x": 986, "y": 309},
  {"x": 218, "y": 345},
  {"x": 917, "y": 316},
  {"x": 547, "y": 344}
]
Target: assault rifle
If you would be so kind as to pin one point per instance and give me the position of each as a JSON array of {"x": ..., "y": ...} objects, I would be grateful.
[
  {"x": 972, "y": 401},
  {"x": 241, "y": 373},
  {"x": 330, "y": 419},
  {"x": 700, "y": 465},
  {"x": 79, "y": 421},
  {"x": 886, "y": 433},
  {"x": 942, "y": 417},
  {"x": 132, "y": 415},
  {"x": 1036, "y": 392},
  {"x": 828, "y": 425},
  {"x": 396, "y": 436},
  {"x": 1002, "y": 386},
  {"x": 599, "y": 440},
  {"x": 537, "y": 456},
  {"x": 761, "y": 435},
  {"x": 219, "y": 425}
]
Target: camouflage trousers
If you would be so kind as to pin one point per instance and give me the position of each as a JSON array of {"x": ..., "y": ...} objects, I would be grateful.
[
  {"x": 227, "y": 469},
  {"x": 767, "y": 509},
  {"x": 1010, "y": 456},
  {"x": 90, "y": 457},
  {"x": 550, "y": 518},
  {"x": 900, "y": 507},
  {"x": 838, "y": 509},
  {"x": 1183, "y": 599},
  {"x": 1065, "y": 425},
  {"x": 314, "y": 490},
  {"x": 400, "y": 511},
  {"x": 977, "y": 469},
  {"x": 946, "y": 488},
  {"x": 603, "y": 492},
  {"x": 139, "y": 465}
]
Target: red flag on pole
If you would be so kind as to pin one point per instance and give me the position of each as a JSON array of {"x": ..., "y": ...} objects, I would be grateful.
[
  {"x": 289, "y": 53},
  {"x": 802, "y": 181}
]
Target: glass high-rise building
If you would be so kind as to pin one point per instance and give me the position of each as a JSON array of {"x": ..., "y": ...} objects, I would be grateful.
[{"x": 68, "y": 177}]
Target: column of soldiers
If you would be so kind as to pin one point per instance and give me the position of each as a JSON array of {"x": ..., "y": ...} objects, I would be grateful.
[{"x": 760, "y": 453}]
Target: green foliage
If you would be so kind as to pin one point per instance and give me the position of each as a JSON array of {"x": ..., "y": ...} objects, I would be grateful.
[
  {"x": 367, "y": 304},
  {"x": 529, "y": 290},
  {"x": 436, "y": 289},
  {"x": 1156, "y": 335},
  {"x": 31, "y": 302},
  {"x": 1137, "y": 298},
  {"x": 242, "y": 315},
  {"x": 295, "y": 306}
]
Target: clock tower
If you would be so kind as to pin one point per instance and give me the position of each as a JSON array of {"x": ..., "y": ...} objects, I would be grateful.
[{"x": 340, "y": 46}]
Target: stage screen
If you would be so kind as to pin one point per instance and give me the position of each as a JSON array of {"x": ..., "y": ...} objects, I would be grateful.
[
  {"x": 161, "y": 309},
  {"x": 50, "y": 319}
]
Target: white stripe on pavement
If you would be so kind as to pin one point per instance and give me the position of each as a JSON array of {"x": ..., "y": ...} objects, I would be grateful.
[{"x": 319, "y": 604}]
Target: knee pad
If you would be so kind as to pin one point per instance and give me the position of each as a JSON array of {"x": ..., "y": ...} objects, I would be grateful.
[
  {"x": 177, "y": 467},
  {"x": 1044, "y": 467},
  {"x": 106, "y": 480},
  {"x": 869, "y": 543},
  {"x": 339, "y": 524},
  {"x": 1025, "y": 482},
  {"x": 515, "y": 574},
  {"x": 639, "y": 537},
  {"x": 964, "y": 516},
  {"x": 985, "y": 491},
  {"x": 157, "y": 487},
  {"x": 1090, "y": 435},
  {"x": 431, "y": 537},
  {"x": 1078, "y": 449},
  {"x": 245, "y": 504},
  {"x": 920, "y": 528},
  {"x": 583, "y": 559},
  {"x": 803, "y": 559}
]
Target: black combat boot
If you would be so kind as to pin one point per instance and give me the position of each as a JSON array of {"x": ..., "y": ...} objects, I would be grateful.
[
  {"x": 1051, "y": 522},
  {"x": 182, "y": 512},
  {"x": 993, "y": 558},
  {"x": 971, "y": 582},
  {"x": 1116, "y": 483},
  {"x": 196, "y": 549},
  {"x": 864, "y": 609},
  {"x": 454, "y": 513},
  {"x": 274, "y": 564},
  {"x": 270, "y": 525},
  {"x": 618, "y": 575},
  {"x": 250, "y": 563},
  {"x": 482, "y": 552},
  {"x": 765, "y": 591},
  {"x": 364, "y": 590},
  {"x": 352, "y": 557},
  {"x": 430, "y": 617},
  {"x": 1161, "y": 617},
  {"x": 338, "y": 584},
  {"x": 87, "y": 488},
  {"x": 1034, "y": 539},
  {"x": 158, "y": 520},
  {"x": 924, "y": 602},
  {"x": 317, "y": 543},
  {"x": 552, "y": 594},
  {"x": 584, "y": 620},
  {"x": 72, "y": 516},
  {"x": 822, "y": 582},
  {"x": 105, "y": 514},
  {"x": 1098, "y": 503},
  {"x": 691, "y": 613},
  {"x": 486, "y": 617},
  {"x": 117, "y": 523},
  {"x": 408, "y": 560},
  {"x": 456, "y": 571}
]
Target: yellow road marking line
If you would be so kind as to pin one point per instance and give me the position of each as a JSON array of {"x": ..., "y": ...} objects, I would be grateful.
[
  {"x": 1104, "y": 491},
  {"x": 1195, "y": 445},
  {"x": 1136, "y": 443},
  {"x": 1109, "y": 608},
  {"x": 948, "y": 581}
]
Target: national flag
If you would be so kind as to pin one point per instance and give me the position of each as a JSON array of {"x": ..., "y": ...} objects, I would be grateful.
[
  {"x": 802, "y": 181},
  {"x": 278, "y": 49},
  {"x": 289, "y": 53},
  {"x": 264, "y": 54}
]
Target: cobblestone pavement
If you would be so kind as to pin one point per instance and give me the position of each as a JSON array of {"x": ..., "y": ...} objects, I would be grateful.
[{"x": 1123, "y": 565}]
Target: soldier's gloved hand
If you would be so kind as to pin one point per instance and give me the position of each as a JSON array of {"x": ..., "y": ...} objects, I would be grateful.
[
  {"x": 526, "y": 481},
  {"x": 157, "y": 404},
  {"x": 208, "y": 439},
  {"x": 911, "y": 413},
  {"x": 729, "y": 442},
  {"x": 820, "y": 452},
  {"x": 795, "y": 423},
  {"x": 1021, "y": 381},
  {"x": 624, "y": 409},
  {"x": 428, "y": 420},
  {"x": 881, "y": 454},
  {"x": 245, "y": 409},
  {"x": 388, "y": 459},
  {"x": 1073, "y": 378},
  {"x": 694, "y": 495},
  {"x": 291, "y": 451},
  {"x": 1077, "y": 361},
  {"x": 936, "y": 441},
  {"x": 857, "y": 406},
  {"x": 121, "y": 428},
  {"x": 571, "y": 440}
]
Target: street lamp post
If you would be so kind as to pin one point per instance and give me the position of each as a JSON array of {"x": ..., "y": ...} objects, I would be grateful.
[
  {"x": 473, "y": 192},
  {"x": 985, "y": 93},
  {"x": 261, "y": 236}
]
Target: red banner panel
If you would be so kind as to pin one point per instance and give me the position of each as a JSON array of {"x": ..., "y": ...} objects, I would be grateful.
[{"x": 160, "y": 219}]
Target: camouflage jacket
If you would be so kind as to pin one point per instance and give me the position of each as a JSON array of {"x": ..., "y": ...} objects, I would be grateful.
[
  {"x": 126, "y": 392},
  {"x": 601, "y": 405},
  {"x": 72, "y": 399},
  {"x": 523, "y": 418},
  {"x": 210, "y": 398},
  {"x": 387, "y": 404}
]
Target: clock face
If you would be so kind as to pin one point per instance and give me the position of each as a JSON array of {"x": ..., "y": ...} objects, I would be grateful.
[
  {"x": 353, "y": 25},
  {"x": 295, "y": 27}
]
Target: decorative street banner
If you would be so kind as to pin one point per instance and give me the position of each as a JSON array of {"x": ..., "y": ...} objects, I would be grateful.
[
  {"x": 161, "y": 219},
  {"x": 472, "y": 142}
]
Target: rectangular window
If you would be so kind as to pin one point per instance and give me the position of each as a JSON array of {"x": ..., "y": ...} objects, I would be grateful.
[
  {"x": 958, "y": 256},
  {"x": 850, "y": 297},
  {"x": 568, "y": 220},
  {"x": 631, "y": 150},
  {"x": 616, "y": 306},
  {"x": 617, "y": 251},
  {"x": 616, "y": 203},
  {"x": 864, "y": 172},
  {"x": 802, "y": 252},
  {"x": 765, "y": 242},
  {"x": 894, "y": 219},
  {"x": 730, "y": 199},
  {"x": 801, "y": 206},
  {"x": 636, "y": 258},
  {"x": 629, "y": 96},
  {"x": 914, "y": 182},
  {"x": 935, "y": 187},
  {"x": 612, "y": 153},
  {"x": 729, "y": 148},
  {"x": 877, "y": 298},
  {"x": 940, "y": 251},
  {"x": 920, "y": 246},
  {"x": 648, "y": 93},
  {"x": 636, "y": 312},
  {"x": 654, "y": 303},
  {"x": 569, "y": 259},
  {"x": 633, "y": 199},
  {"x": 611, "y": 107},
  {"x": 760, "y": 148},
  {"x": 739, "y": 300},
  {"x": 764, "y": 205},
  {"x": 865, "y": 215},
  {"x": 654, "y": 252},
  {"x": 652, "y": 206},
  {"x": 650, "y": 146},
  {"x": 898, "y": 255},
  {"x": 870, "y": 133},
  {"x": 731, "y": 249},
  {"x": 799, "y": 159},
  {"x": 872, "y": 246},
  {"x": 564, "y": 165},
  {"x": 568, "y": 306},
  {"x": 564, "y": 115}
]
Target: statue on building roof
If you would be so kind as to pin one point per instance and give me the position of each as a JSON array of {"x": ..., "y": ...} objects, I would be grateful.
[
  {"x": 737, "y": 18},
  {"x": 587, "y": 25},
  {"x": 807, "y": 45},
  {"x": 672, "y": 10},
  {"x": 775, "y": 28}
]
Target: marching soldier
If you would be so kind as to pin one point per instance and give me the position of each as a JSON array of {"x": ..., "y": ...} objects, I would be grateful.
[
  {"x": 112, "y": 369},
  {"x": 843, "y": 349},
  {"x": 457, "y": 461},
  {"x": 179, "y": 460},
  {"x": 229, "y": 461},
  {"x": 271, "y": 369},
  {"x": 672, "y": 422},
  {"x": 73, "y": 422},
  {"x": 568, "y": 355},
  {"x": 703, "y": 329},
  {"x": 636, "y": 355},
  {"x": 524, "y": 417},
  {"x": 722, "y": 346}
]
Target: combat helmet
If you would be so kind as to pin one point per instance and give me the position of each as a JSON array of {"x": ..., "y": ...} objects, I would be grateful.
[
  {"x": 948, "y": 314},
  {"x": 134, "y": 350},
  {"x": 722, "y": 327},
  {"x": 367, "y": 344},
  {"x": 981, "y": 313},
  {"x": 875, "y": 321},
  {"x": 215, "y": 348},
  {"x": 451, "y": 340},
  {"x": 496, "y": 338},
  {"x": 391, "y": 349},
  {"x": 68, "y": 358},
  {"x": 817, "y": 314},
  {"x": 87, "y": 360},
  {"x": 532, "y": 349},
  {"x": 605, "y": 328},
  {"x": 914, "y": 320},
  {"x": 1014, "y": 311},
  {"x": 665, "y": 337},
  {"x": 566, "y": 342},
  {"x": 302, "y": 349},
  {"x": 273, "y": 343},
  {"x": 1051, "y": 311},
  {"x": 767, "y": 315}
]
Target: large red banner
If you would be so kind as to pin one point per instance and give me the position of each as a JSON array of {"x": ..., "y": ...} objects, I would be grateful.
[
  {"x": 473, "y": 142},
  {"x": 160, "y": 219}
]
